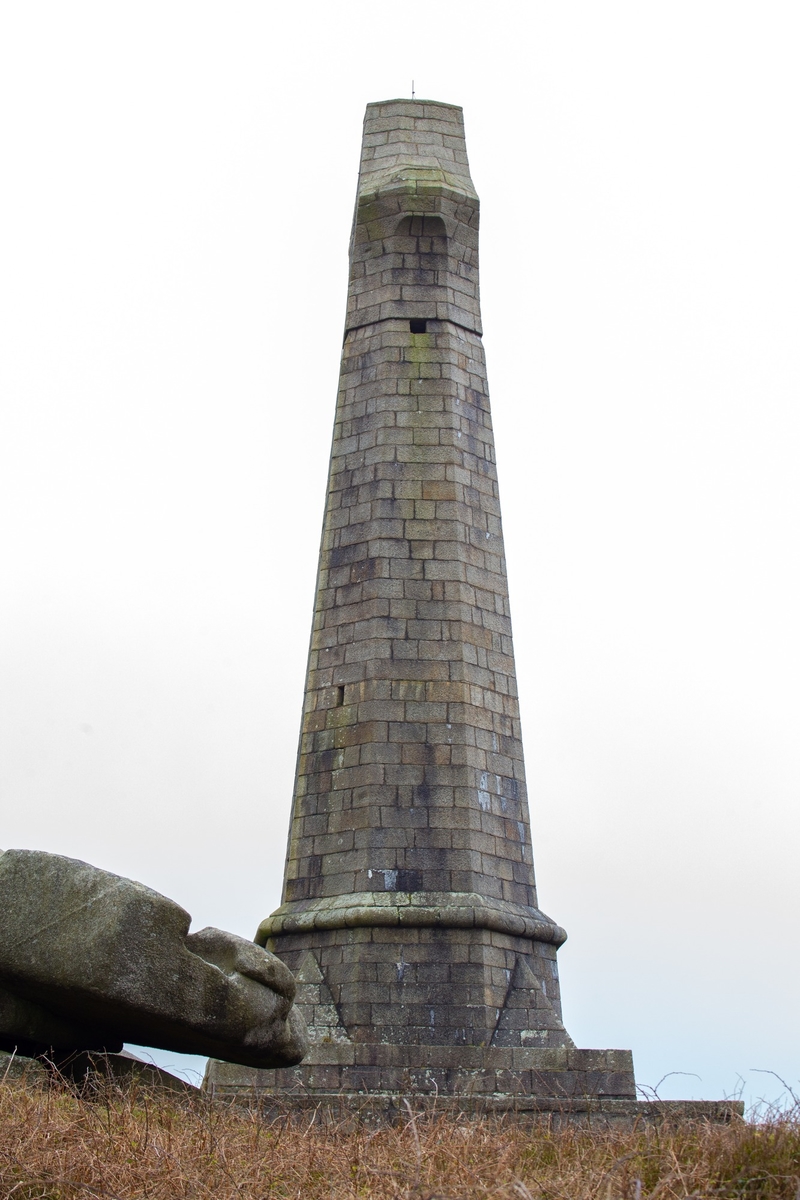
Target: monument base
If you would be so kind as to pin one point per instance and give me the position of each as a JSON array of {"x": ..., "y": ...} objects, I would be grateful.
[
  {"x": 367, "y": 1069},
  {"x": 370, "y": 1068},
  {"x": 373, "y": 1084}
]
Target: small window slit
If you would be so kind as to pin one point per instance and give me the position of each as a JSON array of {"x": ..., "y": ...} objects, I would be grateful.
[
  {"x": 417, "y": 325},
  {"x": 339, "y": 699}
]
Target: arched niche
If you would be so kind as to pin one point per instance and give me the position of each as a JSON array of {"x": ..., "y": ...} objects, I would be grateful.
[{"x": 428, "y": 225}]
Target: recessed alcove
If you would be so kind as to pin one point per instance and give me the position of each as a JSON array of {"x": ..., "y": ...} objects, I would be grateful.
[{"x": 424, "y": 225}]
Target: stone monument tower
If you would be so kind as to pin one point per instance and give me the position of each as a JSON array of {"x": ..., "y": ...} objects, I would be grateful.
[{"x": 409, "y": 913}]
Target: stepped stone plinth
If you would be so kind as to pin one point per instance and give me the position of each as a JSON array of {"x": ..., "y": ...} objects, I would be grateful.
[{"x": 425, "y": 966}]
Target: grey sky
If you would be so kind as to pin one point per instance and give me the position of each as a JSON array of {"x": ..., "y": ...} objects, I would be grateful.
[{"x": 178, "y": 189}]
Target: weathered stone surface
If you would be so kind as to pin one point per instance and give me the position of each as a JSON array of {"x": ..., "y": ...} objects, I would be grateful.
[
  {"x": 17, "y": 1068},
  {"x": 89, "y": 960},
  {"x": 345, "y": 1110},
  {"x": 425, "y": 966},
  {"x": 409, "y": 873},
  {"x": 29, "y": 1028},
  {"x": 410, "y": 911}
]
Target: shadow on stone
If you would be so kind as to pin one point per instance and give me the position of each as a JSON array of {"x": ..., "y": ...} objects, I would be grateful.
[{"x": 89, "y": 960}]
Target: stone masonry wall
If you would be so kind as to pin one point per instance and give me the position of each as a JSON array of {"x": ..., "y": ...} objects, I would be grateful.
[
  {"x": 411, "y": 776},
  {"x": 409, "y": 912}
]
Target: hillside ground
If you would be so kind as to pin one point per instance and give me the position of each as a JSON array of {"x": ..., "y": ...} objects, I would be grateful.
[{"x": 133, "y": 1141}]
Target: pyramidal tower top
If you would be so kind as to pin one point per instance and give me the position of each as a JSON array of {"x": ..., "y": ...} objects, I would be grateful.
[
  {"x": 409, "y": 913},
  {"x": 414, "y": 164}
]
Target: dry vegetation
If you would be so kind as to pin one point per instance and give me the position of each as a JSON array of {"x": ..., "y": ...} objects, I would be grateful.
[{"x": 134, "y": 1142}]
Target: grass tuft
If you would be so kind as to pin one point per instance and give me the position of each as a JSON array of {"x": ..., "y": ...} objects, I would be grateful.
[{"x": 126, "y": 1142}]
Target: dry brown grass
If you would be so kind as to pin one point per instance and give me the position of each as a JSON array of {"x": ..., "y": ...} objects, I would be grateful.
[{"x": 131, "y": 1142}]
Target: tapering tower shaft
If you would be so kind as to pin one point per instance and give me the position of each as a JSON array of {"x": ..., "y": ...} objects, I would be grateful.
[
  {"x": 409, "y": 911},
  {"x": 410, "y": 792}
]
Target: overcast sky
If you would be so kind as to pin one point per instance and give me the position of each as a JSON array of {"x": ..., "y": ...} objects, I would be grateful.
[{"x": 177, "y": 190}]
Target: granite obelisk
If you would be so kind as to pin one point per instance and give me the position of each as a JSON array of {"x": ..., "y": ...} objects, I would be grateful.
[{"x": 409, "y": 913}]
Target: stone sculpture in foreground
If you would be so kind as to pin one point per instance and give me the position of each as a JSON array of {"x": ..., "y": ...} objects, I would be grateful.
[{"x": 89, "y": 960}]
